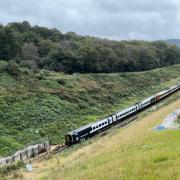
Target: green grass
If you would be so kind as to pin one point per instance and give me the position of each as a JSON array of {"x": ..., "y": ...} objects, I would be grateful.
[
  {"x": 50, "y": 104},
  {"x": 136, "y": 151}
]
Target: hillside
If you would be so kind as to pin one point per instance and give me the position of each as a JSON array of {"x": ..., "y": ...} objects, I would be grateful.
[
  {"x": 174, "y": 42},
  {"x": 37, "y": 47},
  {"x": 48, "y": 104},
  {"x": 134, "y": 152}
]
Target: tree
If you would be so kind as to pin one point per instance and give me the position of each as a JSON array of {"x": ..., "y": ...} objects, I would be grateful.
[
  {"x": 45, "y": 46},
  {"x": 172, "y": 55},
  {"x": 40, "y": 47},
  {"x": 13, "y": 68},
  {"x": 30, "y": 52}
]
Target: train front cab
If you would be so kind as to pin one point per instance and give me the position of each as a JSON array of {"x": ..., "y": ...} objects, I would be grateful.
[{"x": 70, "y": 139}]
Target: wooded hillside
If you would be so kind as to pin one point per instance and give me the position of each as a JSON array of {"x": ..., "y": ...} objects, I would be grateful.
[{"x": 39, "y": 47}]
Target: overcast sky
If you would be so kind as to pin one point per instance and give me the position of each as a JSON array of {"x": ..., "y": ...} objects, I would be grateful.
[{"x": 113, "y": 19}]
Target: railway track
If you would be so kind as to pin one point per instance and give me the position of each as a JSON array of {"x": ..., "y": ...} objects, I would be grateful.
[{"x": 62, "y": 147}]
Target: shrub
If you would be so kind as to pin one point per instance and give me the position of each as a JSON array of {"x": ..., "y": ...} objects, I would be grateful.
[
  {"x": 3, "y": 66},
  {"x": 13, "y": 68},
  {"x": 9, "y": 168}
]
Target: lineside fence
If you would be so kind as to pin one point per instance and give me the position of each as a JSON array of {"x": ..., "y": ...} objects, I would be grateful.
[{"x": 25, "y": 152}]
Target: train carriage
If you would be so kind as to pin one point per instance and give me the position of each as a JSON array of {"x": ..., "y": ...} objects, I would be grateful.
[{"x": 89, "y": 130}]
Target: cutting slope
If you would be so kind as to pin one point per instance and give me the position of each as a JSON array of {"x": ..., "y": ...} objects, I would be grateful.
[
  {"x": 134, "y": 152},
  {"x": 50, "y": 104}
]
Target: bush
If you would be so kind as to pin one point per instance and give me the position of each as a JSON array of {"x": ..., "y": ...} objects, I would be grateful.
[
  {"x": 13, "y": 68},
  {"x": 40, "y": 75},
  {"x": 4, "y": 170},
  {"x": 61, "y": 81},
  {"x": 29, "y": 64},
  {"x": 3, "y": 66}
]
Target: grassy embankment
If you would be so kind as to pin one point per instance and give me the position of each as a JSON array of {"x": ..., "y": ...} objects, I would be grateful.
[
  {"x": 50, "y": 104},
  {"x": 133, "y": 152}
]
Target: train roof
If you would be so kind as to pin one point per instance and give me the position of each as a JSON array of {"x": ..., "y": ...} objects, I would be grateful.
[
  {"x": 121, "y": 111},
  {"x": 81, "y": 128},
  {"x": 85, "y": 126}
]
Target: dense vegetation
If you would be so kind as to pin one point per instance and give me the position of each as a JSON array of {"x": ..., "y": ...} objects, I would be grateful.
[
  {"x": 134, "y": 152},
  {"x": 47, "y": 104},
  {"x": 39, "y": 47}
]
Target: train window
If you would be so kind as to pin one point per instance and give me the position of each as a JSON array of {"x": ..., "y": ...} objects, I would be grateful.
[
  {"x": 102, "y": 123},
  {"x": 93, "y": 127},
  {"x": 96, "y": 126}
]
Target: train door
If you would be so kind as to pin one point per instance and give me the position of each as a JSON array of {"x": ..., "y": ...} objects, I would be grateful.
[
  {"x": 140, "y": 106},
  {"x": 68, "y": 139},
  {"x": 137, "y": 107},
  {"x": 114, "y": 117},
  {"x": 110, "y": 119},
  {"x": 153, "y": 100}
]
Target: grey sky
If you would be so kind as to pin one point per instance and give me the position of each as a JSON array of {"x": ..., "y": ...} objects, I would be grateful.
[{"x": 114, "y": 19}]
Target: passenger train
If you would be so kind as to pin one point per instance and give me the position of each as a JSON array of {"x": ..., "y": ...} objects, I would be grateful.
[{"x": 89, "y": 130}]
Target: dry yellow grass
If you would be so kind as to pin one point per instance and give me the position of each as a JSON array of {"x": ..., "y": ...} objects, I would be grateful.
[{"x": 133, "y": 152}]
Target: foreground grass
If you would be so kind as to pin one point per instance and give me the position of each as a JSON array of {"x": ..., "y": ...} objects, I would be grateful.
[
  {"x": 47, "y": 104},
  {"x": 133, "y": 152}
]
